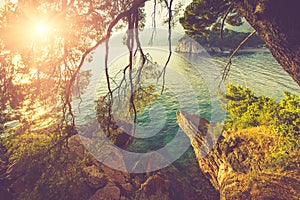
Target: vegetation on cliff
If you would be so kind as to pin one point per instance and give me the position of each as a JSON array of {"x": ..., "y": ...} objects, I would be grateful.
[
  {"x": 246, "y": 110},
  {"x": 257, "y": 156}
]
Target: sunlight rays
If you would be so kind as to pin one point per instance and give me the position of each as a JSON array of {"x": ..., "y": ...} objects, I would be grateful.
[{"x": 41, "y": 28}]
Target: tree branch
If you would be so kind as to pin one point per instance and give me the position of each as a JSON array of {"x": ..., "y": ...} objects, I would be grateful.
[{"x": 227, "y": 67}]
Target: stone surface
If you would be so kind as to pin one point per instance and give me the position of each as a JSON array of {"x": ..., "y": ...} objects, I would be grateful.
[
  {"x": 188, "y": 45},
  {"x": 181, "y": 180},
  {"x": 95, "y": 179},
  {"x": 156, "y": 185},
  {"x": 236, "y": 165},
  {"x": 110, "y": 191}
]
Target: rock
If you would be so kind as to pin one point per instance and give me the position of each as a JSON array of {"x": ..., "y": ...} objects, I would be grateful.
[
  {"x": 232, "y": 166},
  {"x": 156, "y": 186},
  {"x": 119, "y": 135},
  {"x": 110, "y": 191},
  {"x": 188, "y": 45},
  {"x": 95, "y": 179},
  {"x": 76, "y": 146},
  {"x": 123, "y": 137}
]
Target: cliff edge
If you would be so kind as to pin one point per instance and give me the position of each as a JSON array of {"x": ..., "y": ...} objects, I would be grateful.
[{"x": 238, "y": 165}]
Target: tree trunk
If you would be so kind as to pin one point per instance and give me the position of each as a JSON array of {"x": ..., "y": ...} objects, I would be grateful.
[{"x": 277, "y": 23}]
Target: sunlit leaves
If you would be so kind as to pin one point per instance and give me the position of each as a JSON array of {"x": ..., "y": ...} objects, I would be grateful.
[
  {"x": 247, "y": 110},
  {"x": 42, "y": 43}
]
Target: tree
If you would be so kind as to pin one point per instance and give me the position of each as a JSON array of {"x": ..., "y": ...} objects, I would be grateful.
[
  {"x": 202, "y": 16},
  {"x": 43, "y": 45},
  {"x": 275, "y": 22}
]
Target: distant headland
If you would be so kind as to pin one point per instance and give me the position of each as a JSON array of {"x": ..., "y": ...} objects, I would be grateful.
[{"x": 212, "y": 43}]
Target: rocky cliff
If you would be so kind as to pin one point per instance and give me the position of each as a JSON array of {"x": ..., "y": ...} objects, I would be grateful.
[
  {"x": 188, "y": 45},
  {"x": 237, "y": 166}
]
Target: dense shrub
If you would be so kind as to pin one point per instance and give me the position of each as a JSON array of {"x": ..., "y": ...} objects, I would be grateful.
[{"x": 247, "y": 110}]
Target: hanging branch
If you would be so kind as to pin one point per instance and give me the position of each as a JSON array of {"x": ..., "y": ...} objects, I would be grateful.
[
  {"x": 153, "y": 23},
  {"x": 138, "y": 44},
  {"x": 163, "y": 72},
  {"x": 227, "y": 67},
  {"x": 132, "y": 24},
  {"x": 130, "y": 42},
  {"x": 122, "y": 15}
]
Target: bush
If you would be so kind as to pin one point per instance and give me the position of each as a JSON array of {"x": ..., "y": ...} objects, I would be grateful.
[{"x": 246, "y": 110}]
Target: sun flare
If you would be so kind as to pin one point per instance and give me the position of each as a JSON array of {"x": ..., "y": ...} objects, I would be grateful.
[{"x": 41, "y": 28}]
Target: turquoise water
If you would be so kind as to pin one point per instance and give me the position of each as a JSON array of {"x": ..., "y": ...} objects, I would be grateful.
[{"x": 187, "y": 88}]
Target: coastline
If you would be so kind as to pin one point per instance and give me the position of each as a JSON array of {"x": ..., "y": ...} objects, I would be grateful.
[{"x": 215, "y": 51}]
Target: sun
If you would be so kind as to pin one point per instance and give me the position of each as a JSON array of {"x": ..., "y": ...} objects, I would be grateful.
[{"x": 41, "y": 28}]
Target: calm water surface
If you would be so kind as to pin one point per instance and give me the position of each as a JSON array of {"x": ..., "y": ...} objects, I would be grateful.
[{"x": 188, "y": 89}]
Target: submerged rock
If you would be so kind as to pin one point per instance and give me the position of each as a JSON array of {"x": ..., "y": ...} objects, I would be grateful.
[{"x": 237, "y": 166}]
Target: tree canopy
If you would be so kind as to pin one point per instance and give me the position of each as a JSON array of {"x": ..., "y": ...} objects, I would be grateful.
[{"x": 202, "y": 16}]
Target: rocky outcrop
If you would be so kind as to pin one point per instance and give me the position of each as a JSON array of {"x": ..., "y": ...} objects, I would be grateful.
[
  {"x": 237, "y": 166},
  {"x": 177, "y": 181},
  {"x": 173, "y": 182},
  {"x": 188, "y": 45},
  {"x": 180, "y": 180}
]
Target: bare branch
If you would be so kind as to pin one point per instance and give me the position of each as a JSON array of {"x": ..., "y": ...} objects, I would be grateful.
[
  {"x": 163, "y": 72},
  {"x": 136, "y": 5},
  {"x": 223, "y": 21},
  {"x": 227, "y": 67}
]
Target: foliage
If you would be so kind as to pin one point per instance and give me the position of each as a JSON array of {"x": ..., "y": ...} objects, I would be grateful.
[
  {"x": 143, "y": 96},
  {"x": 231, "y": 39},
  {"x": 43, "y": 45},
  {"x": 247, "y": 110},
  {"x": 203, "y": 15},
  {"x": 40, "y": 159}
]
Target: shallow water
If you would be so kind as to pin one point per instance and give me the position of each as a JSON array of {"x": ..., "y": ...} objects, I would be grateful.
[{"x": 191, "y": 82}]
